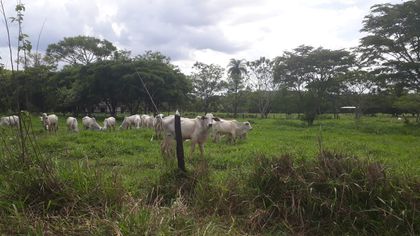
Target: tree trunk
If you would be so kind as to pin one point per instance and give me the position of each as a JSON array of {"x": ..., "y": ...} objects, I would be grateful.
[{"x": 235, "y": 105}]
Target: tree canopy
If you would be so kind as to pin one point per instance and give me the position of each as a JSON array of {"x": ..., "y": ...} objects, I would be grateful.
[
  {"x": 393, "y": 42},
  {"x": 81, "y": 50}
]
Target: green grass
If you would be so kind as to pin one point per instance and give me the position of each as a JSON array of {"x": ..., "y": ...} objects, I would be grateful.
[{"x": 133, "y": 161}]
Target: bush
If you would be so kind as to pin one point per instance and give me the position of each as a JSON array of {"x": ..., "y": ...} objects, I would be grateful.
[{"x": 334, "y": 194}]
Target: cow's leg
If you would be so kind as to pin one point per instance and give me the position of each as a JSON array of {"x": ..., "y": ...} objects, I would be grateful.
[
  {"x": 166, "y": 146},
  {"x": 201, "y": 149},
  {"x": 234, "y": 138},
  {"x": 192, "y": 148},
  {"x": 215, "y": 137}
]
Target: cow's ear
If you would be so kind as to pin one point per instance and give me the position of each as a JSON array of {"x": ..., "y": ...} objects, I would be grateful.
[
  {"x": 203, "y": 117},
  {"x": 216, "y": 119}
]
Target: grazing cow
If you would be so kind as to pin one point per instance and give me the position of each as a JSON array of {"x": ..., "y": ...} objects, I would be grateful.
[
  {"x": 12, "y": 121},
  {"x": 109, "y": 123},
  {"x": 196, "y": 130},
  {"x": 147, "y": 121},
  {"x": 157, "y": 126},
  {"x": 90, "y": 123},
  {"x": 72, "y": 124},
  {"x": 50, "y": 122},
  {"x": 129, "y": 121},
  {"x": 232, "y": 128},
  {"x": 94, "y": 125},
  {"x": 86, "y": 121}
]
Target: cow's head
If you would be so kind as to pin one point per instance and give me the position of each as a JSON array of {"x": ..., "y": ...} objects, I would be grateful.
[
  {"x": 248, "y": 125},
  {"x": 209, "y": 119},
  {"x": 44, "y": 120}
]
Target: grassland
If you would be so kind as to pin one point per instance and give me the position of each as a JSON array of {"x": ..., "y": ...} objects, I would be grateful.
[{"x": 129, "y": 163}]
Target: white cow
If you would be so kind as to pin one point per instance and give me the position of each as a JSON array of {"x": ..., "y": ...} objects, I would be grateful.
[
  {"x": 157, "y": 126},
  {"x": 72, "y": 124},
  {"x": 94, "y": 125},
  {"x": 232, "y": 128},
  {"x": 90, "y": 123},
  {"x": 86, "y": 121},
  {"x": 147, "y": 121},
  {"x": 50, "y": 122},
  {"x": 129, "y": 121},
  {"x": 109, "y": 123},
  {"x": 12, "y": 121},
  {"x": 196, "y": 130}
]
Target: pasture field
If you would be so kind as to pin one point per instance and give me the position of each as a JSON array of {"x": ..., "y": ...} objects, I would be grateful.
[
  {"x": 131, "y": 153},
  {"x": 129, "y": 162}
]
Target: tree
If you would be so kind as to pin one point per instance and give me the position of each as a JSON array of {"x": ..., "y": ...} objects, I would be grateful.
[
  {"x": 409, "y": 103},
  {"x": 236, "y": 72},
  {"x": 358, "y": 82},
  {"x": 292, "y": 70},
  {"x": 207, "y": 81},
  {"x": 82, "y": 50},
  {"x": 393, "y": 42},
  {"x": 325, "y": 68},
  {"x": 261, "y": 72}
]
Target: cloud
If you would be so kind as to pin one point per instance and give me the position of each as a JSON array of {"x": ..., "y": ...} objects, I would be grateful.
[{"x": 210, "y": 31}]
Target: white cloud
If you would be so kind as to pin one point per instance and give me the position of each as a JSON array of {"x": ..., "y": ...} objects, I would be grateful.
[{"x": 207, "y": 31}]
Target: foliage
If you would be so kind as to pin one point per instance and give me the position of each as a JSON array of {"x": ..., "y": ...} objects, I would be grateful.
[
  {"x": 261, "y": 78},
  {"x": 409, "y": 103},
  {"x": 236, "y": 71},
  {"x": 81, "y": 50},
  {"x": 206, "y": 80},
  {"x": 393, "y": 42}
]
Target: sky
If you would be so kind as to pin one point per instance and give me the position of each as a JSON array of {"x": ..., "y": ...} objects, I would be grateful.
[{"x": 211, "y": 31}]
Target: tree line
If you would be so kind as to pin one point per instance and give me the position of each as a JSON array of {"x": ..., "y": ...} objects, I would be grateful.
[{"x": 76, "y": 74}]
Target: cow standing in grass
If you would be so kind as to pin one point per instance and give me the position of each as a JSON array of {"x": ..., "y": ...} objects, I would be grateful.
[
  {"x": 196, "y": 130},
  {"x": 12, "y": 121},
  {"x": 90, "y": 123},
  {"x": 233, "y": 128},
  {"x": 130, "y": 121},
  {"x": 72, "y": 124},
  {"x": 147, "y": 121},
  {"x": 109, "y": 123},
  {"x": 50, "y": 122}
]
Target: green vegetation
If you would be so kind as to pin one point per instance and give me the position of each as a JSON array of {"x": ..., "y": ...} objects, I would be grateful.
[{"x": 117, "y": 182}]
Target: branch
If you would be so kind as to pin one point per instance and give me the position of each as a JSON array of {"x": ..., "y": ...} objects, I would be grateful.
[{"x": 8, "y": 36}]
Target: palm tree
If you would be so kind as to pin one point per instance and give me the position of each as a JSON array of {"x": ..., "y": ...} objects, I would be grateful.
[{"x": 236, "y": 71}]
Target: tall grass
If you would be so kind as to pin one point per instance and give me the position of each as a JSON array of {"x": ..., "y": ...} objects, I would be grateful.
[
  {"x": 333, "y": 194},
  {"x": 117, "y": 184}
]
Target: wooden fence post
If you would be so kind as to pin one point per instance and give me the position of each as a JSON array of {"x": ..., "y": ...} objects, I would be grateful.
[{"x": 179, "y": 143}]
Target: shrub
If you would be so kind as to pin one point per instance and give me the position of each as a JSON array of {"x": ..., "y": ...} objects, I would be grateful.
[{"x": 333, "y": 194}]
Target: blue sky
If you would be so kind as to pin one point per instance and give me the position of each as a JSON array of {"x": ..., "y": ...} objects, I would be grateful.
[{"x": 211, "y": 31}]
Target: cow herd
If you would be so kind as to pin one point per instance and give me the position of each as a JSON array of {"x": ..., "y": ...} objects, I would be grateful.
[{"x": 197, "y": 129}]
